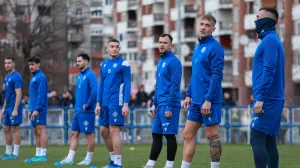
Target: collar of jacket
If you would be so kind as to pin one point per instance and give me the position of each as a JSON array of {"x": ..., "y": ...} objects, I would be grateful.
[
  {"x": 36, "y": 72},
  {"x": 166, "y": 54},
  {"x": 265, "y": 32},
  {"x": 205, "y": 39},
  {"x": 85, "y": 70}
]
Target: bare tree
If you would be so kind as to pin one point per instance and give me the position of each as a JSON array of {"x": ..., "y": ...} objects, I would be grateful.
[{"x": 40, "y": 27}]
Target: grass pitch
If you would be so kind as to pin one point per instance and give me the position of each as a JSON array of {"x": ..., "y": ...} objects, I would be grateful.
[{"x": 234, "y": 156}]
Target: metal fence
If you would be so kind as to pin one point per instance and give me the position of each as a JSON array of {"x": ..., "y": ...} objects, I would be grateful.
[{"x": 234, "y": 126}]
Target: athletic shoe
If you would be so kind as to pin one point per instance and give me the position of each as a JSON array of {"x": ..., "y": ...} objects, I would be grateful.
[
  {"x": 63, "y": 163},
  {"x": 5, "y": 157},
  {"x": 39, "y": 159},
  {"x": 84, "y": 163},
  {"x": 12, "y": 156},
  {"x": 111, "y": 163},
  {"x": 29, "y": 160},
  {"x": 116, "y": 166}
]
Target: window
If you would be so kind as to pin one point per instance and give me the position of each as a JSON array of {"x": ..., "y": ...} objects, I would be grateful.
[
  {"x": 79, "y": 29},
  {"x": 3, "y": 9},
  {"x": 44, "y": 11},
  {"x": 22, "y": 10},
  {"x": 44, "y": 29},
  {"x": 96, "y": 13},
  {"x": 78, "y": 11},
  {"x": 298, "y": 28},
  {"x": 97, "y": 45},
  {"x": 109, "y": 2},
  {"x": 298, "y": 57},
  {"x": 251, "y": 7}
]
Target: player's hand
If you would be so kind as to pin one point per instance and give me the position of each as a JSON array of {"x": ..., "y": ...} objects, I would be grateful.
[
  {"x": 83, "y": 107},
  {"x": 168, "y": 114},
  {"x": 125, "y": 110},
  {"x": 34, "y": 114},
  {"x": 187, "y": 102},
  {"x": 153, "y": 111},
  {"x": 258, "y": 107},
  {"x": 206, "y": 108},
  {"x": 98, "y": 108},
  {"x": 2, "y": 113},
  {"x": 14, "y": 113}
]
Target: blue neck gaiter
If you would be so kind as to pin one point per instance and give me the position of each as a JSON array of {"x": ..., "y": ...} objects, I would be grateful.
[{"x": 265, "y": 24}]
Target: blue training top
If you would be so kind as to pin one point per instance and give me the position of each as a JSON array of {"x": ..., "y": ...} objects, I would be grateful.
[
  {"x": 207, "y": 72},
  {"x": 38, "y": 92},
  {"x": 168, "y": 78},
  {"x": 268, "y": 68},
  {"x": 13, "y": 81},
  {"x": 115, "y": 82}
]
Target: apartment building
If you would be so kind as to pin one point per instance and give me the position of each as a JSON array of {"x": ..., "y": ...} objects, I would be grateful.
[{"x": 85, "y": 34}]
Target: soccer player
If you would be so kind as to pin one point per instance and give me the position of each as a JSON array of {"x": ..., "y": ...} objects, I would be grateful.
[
  {"x": 112, "y": 101},
  {"x": 84, "y": 117},
  {"x": 12, "y": 109},
  {"x": 268, "y": 90},
  {"x": 167, "y": 103},
  {"x": 204, "y": 94},
  {"x": 38, "y": 106}
]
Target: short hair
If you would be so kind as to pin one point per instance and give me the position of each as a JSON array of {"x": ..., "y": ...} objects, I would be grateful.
[
  {"x": 167, "y": 35},
  {"x": 113, "y": 40},
  {"x": 209, "y": 17},
  {"x": 10, "y": 58},
  {"x": 34, "y": 59},
  {"x": 84, "y": 56},
  {"x": 271, "y": 10}
]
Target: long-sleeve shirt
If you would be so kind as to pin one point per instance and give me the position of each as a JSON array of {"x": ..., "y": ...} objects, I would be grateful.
[
  {"x": 13, "y": 81},
  {"x": 207, "y": 72},
  {"x": 168, "y": 78},
  {"x": 115, "y": 82},
  {"x": 38, "y": 89},
  {"x": 268, "y": 68},
  {"x": 86, "y": 91}
]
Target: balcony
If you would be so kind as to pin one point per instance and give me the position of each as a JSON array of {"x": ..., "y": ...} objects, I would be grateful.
[
  {"x": 223, "y": 28},
  {"x": 296, "y": 72},
  {"x": 296, "y": 12},
  {"x": 150, "y": 42},
  {"x": 248, "y": 78},
  {"x": 249, "y": 50},
  {"x": 149, "y": 2},
  {"x": 296, "y": 42},
  {"x": 249, "y": 21},
  {"x": 132, "y": 26},
  {"x": 122, "y": 6},
  {"x": 108, "y": 30},
  {"x": 96, "y": 30},
  {"x": 131, "y": 44},
  {"x": 107, "y": 10},
  {"x": 191, "y": 8},
  {"x": 76, "y": 37},
  {"x": 153, "y": 20},
  {"x": 214, "y": 5},
  {"x": 228, "y": 54},
  {"x": 132, "y": 4}
]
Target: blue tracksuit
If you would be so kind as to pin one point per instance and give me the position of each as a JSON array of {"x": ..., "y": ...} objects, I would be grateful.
[
  {"x": 206, "y": 80},
  {"x": 268, "y": 82},
  {"x": 38, "y": 89},
  {"x": 167, "y": 94},
  {"x": 86, "y": 92},
  {"x": 13, "y": 81},
  {"x": 114, "y": 90}
]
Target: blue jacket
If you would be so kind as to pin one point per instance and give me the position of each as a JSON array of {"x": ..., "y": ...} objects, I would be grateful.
[
  {"x": 207, "y": 72},
  {"x": 86, "y": 91},
  {"x": 38, "y": 92},
  {"x": 268, "y": 68},
  {"x": 115, "y": 82},
  {"x": 168, "y": 78},
  {"x": 13, "y": 81}
]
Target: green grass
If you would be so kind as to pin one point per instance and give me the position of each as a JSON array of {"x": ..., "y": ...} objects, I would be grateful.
[{"x": 234, "y": 156}]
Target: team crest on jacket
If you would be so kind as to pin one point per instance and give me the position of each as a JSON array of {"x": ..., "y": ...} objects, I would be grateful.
[
  {"x": 203, "y": 49},
  {"x": 115, "y": 65}
]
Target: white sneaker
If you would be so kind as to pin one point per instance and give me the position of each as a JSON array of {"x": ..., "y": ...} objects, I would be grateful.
[
  {"x": 84, "y": 163},
  {"x": 63, "y": 162}
]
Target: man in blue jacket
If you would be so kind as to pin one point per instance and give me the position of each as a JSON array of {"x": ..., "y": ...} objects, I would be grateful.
[
  {"x": 112, "y": 101},
  {"x": 204, "y": 94},
  {"x": 12, "y": 109},
  {"x": 38, "y": 107},
  {"x": 84, "y": 117},
  {"x": 268, "y": 90},
  {"x": 167, "y": 103}
]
